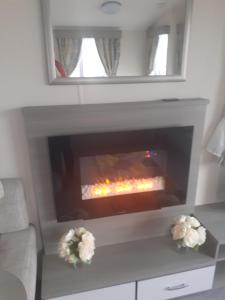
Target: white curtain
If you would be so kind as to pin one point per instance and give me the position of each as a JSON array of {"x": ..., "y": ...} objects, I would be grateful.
[
  {"x": 179, "y": 48},
  {"x": 216, "y": 144},
  {"x": 152, "y": 47},
  {"x": 109, "y": 53},
  {"x": 1, "y": 190},
  {"x": 153, "y": 34},
  {"x": 68, "y": 52}
]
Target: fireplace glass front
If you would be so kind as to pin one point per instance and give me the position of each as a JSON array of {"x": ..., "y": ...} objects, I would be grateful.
[
  {"x": 103, "y": 174},
  {"x": 121, "y": 174}
]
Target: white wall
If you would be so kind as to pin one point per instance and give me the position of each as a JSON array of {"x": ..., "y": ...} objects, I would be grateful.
[
  {"x": 23, "y": 83},
  {"x": 132, "y": 54}
]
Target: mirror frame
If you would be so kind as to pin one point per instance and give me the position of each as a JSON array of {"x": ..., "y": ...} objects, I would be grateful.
[{"x": 53, "y": 80}]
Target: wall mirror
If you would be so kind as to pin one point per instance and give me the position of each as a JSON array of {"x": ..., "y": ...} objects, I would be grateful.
[{"x": 124, "y": 41}]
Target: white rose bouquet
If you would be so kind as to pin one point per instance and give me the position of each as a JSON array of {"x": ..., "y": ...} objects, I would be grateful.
[
  {"x": 77, "y": 246},
  {"x": 188, "y": 232}
]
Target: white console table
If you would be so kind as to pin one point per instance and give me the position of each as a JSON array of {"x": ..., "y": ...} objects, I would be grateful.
[
  {"x": 131, "y": 271},
  {"x": 143, "y": 270},
  {"x": 213, "y": 217}
]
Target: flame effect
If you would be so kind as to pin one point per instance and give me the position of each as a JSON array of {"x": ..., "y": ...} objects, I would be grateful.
[{"x": 121, "y": 187}]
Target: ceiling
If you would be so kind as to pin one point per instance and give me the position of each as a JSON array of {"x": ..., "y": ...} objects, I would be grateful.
[{"x": 134, "y": 14}]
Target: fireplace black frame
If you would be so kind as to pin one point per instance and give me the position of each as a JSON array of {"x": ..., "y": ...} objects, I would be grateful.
[{"x": 69, "y": 204}]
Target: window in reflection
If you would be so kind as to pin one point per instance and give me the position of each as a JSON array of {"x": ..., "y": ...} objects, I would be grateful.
[
  {"x": 160, "y": 61},
  {"x": 145, "y": 38},
  {"x": 89, "y": 63}
]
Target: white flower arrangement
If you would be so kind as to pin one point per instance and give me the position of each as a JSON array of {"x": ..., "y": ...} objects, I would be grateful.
[
  {"x": 77, "y": 246},
  {"x": 188, "y": 232}
]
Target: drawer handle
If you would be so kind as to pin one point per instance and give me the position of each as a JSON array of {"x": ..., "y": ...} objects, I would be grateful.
[{"x": 177, "y": 287}]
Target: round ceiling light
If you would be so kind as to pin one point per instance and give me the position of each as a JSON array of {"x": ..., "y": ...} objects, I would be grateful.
[{"x": 111, "y": 7}]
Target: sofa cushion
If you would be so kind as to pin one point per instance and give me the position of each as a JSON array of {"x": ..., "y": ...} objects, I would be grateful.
[
  {"x": 13, "y": 211},
  {"x": 18, "y": 255}
]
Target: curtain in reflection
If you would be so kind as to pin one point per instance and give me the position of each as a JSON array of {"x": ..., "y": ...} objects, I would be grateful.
[
  {"x": 153, "y": 34},
  {"x": 68, "y": 52},
  {"x": 179, "y": 48},
  {"x": 153, "y": 44},
  {"x": 109, "y": 53}
]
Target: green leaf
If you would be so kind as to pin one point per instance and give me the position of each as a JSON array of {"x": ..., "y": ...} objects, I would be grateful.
[
  {"x": 73, "y": 259},
  {"x": 196, "y": 248}
]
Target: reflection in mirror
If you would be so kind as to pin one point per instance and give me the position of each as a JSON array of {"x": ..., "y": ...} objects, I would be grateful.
[{"x": 130, "y": 38}]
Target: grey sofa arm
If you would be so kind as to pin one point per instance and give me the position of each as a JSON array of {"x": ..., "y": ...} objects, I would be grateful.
[
  {"x": 18, "y": 251},
  {"x": 11, "y": 287},
  {"x": 13, "y": 210}
]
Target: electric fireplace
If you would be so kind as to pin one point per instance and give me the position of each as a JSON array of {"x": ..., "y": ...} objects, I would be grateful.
[{"x": 103, "y": 174}]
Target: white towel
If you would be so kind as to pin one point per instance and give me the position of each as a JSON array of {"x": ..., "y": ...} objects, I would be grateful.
[
  {"x": 2, "y": 194},
  {"x": 216, "y": 143}
]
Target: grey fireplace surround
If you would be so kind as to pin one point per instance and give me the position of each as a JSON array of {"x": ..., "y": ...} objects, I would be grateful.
[{"x": 44, "y": 121}]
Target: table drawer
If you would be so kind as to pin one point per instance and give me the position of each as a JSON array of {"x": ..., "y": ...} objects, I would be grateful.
[
  {"x": 118, "y": 292},
  {"x": 176, "y": 285}
]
